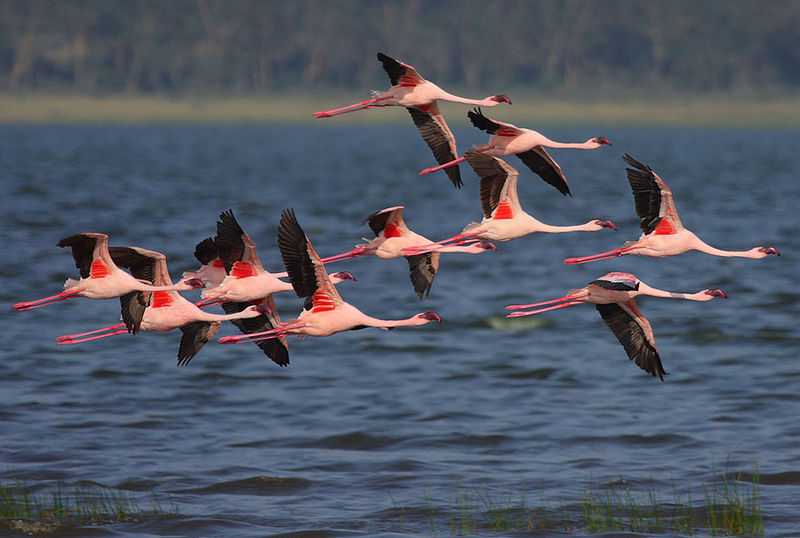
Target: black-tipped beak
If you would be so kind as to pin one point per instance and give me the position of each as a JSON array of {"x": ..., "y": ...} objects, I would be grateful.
[
  {"x": 502, "y": 99},
  {"x": 605, "y": 223},
  {"x": 431, "y": 316},
  {"x": 487, "y": 245},
  {"x": 770, "y": 250},
  {"x": 717, "y": 293},
  {"x": 345, "y": 275},
  {"x": 194, "y": 283}
]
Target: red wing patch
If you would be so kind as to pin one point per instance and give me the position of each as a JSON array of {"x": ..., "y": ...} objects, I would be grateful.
[
  {"x": 161, "y": 298},
  {"x": 242, "y": 270},
  {"x": 503, "y": 211},
  {"x": 505, "y": 131},
  {"x": 408, "y": 81},
  {"x": 665, "y": 227},
  {"x": 99, "y": 269},
  {"x": 323, "y": 302},
  {"x": 392, "y": 230}
]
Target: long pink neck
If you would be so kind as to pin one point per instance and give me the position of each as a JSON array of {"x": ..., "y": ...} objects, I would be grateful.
[
  {"x": 708, "y": 249},
  {"x": 644, "y": 289}
]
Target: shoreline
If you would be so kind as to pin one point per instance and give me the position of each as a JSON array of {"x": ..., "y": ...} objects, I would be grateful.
[{"x": 297, "y": 109}]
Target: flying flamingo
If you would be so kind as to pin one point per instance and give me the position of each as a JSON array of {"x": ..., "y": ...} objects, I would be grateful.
[
  {"x": 324, "y": 312},
  {"x": 167, "y": 310},
  {"x": 212, "y": 271},
  {"x": 527, "y": 144},
  {"x": 503, "y": 217},
  {"x": 419, "y": 96},
  {"x": 662, "y": 232},
  {"x": 102, "y": 279},
  {"x": 393, "y": 239},
  {"x": 613, "y": 295},
  {"x": 246, "y": 279}
]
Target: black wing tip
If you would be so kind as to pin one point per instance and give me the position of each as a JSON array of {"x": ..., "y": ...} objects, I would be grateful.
[{"x": 636, "y": 164}]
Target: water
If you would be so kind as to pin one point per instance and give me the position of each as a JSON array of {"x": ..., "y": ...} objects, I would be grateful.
[{"x": 368, "y": 432}]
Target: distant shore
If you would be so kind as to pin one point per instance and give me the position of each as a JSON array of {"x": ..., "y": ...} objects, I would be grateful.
[{"x": 291, "y": 109}]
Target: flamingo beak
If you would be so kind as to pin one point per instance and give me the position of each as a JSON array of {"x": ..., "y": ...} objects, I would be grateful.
[
  {"x": 602, "y": 140},
  {"x": 344, "y": 275},
  {"x": 605, "y": 223},
  {"x": 487, "y": 245},
  {"x": 502, "y": 99},
  {"x": 716, "y": 293},
  {"x": 262, "y": 308},
  {"x": 770, "y": 250},
  {"x": 431, "y": 316}
]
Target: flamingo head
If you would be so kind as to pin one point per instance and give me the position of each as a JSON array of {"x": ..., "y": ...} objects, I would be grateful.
[
  {"x": 486, "y": 245},
  {"x": 500, "y": 99},
  {"x": 430, "y": 316},
  {"x": 716, "y": 293},
  {"x": 601, "y": 141},
  {"x": 344, "y": 275},
  {"x": 262, "y": 308},
  {"x": 194, "y": 283},
  {"x": 605, "y": 223},
  {"x": 769, "y": 250}
]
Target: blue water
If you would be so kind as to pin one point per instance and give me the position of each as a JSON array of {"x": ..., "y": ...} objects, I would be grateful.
[{"x": 373, "y": 432}]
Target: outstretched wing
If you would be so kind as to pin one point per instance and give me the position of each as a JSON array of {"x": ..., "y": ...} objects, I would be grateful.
[
  {"x": 653, "y": 199},
  {"x": 423, "y": 268},
  {"x": 399, "y": 73},
  {"x": 143, "y": 266},
  {"x": 491, "y": 126},
  {"x": 306, "y": 271},
  {"x": 387, "y": 222},
  {"x": 85, "y": 248},
  {"x": 205, "y": 251},
  {"x": 542, "y": 164},
  {"x": 617, "y": 282},
  {"x": 195, "y": 336},
  {"x": 437, "y": 135},
  {"x": 234, "y": 247},
  {"x": 276, "y": 349},
  {"x": 634, "y": 333},
  {"x": 498, "y": 190}
]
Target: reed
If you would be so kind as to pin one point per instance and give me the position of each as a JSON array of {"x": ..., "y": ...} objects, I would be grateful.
[{"x": 78, "y": 504}]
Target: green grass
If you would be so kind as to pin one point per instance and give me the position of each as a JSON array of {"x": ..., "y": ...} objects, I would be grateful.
[
  {"x": 729, "y": 505},
  {"x": 531, "y": 110},
  {"x": 82, "y": 504}
]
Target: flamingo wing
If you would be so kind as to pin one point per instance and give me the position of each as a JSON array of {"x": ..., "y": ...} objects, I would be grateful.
[
  {"x": 195, "y": 335},
  {"x": 491, "y": 126},
  {"x": 276, "y": 349},
  {"x": 635, "y": 334},
  {"x": 438, "y": 137},
  {"x": 206, "y": 251},
  {"x": 423, "y": 268},
  {"x": 391, "y": 218},
  {"x": 142, "y": 267},
  {"x": 617, "y": 282},
  {"x": 498, "y": 184},
  {"x": 306, "y": 271},
  {"x": 234, "y": 246},
  {"x": 652, "y": 197},
  {"x": 86, "y": 248},
  {"x": 399, "y": 73},
  {"x": 542, "y": 164}
]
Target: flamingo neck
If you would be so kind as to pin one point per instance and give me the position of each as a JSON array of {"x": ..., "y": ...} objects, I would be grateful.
[
  {"x": 708, "y": 249},
  {"x": 485, "y": 102},
  {"x": 644, "y": 289}
]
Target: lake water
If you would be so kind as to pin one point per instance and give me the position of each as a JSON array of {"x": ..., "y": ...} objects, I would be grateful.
[{"x": 372, "y": 432}]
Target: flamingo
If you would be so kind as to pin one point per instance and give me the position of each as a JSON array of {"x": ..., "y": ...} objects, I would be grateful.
[
  {"x": 613, "y": 295},
  {"x": 393, "y": 238},
  {"x": 420, "y": 97},
  {"x": 102, "y": 279},
  {"x": 527, "y": 144},
  {"x": 167, "y": 310},
  {"x": 324, "y": 312},
  {"x": 503, "y": 217},
  {"x": 246, "y": 279},
  {"x": 662, "y": 232}
]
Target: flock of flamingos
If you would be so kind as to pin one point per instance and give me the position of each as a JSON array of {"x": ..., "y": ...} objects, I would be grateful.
[{"x": 232, "y": 275}]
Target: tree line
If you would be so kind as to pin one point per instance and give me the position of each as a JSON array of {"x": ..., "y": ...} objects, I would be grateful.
[{"x": 215, "y": 47}]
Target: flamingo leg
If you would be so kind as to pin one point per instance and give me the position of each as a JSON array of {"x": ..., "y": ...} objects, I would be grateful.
[
  {"x": 202, "y": 303},
  {"x": 345, "y": 109},
  {"x": 63, "y": 296},
  {"x": 540, "y": 310},
  {"x": 255, "y": 337},
  {"x": 595, "y": 257},
  {"x": 70, "y": 339},
  {"x": 441, "y": 166},
  {"x": 346, "y": 255},
  {"x": 459, "y": 239},
  {"x": 559, "y": 300}
]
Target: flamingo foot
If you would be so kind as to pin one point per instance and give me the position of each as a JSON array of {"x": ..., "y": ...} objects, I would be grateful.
[
  {"x": 442, "y": 166},
  {"x": 344, "y": 109},
  {"x": 63, "y": 296},
  {"x": 595, "y": 257},
  {"x": 540, "y": 310}
]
